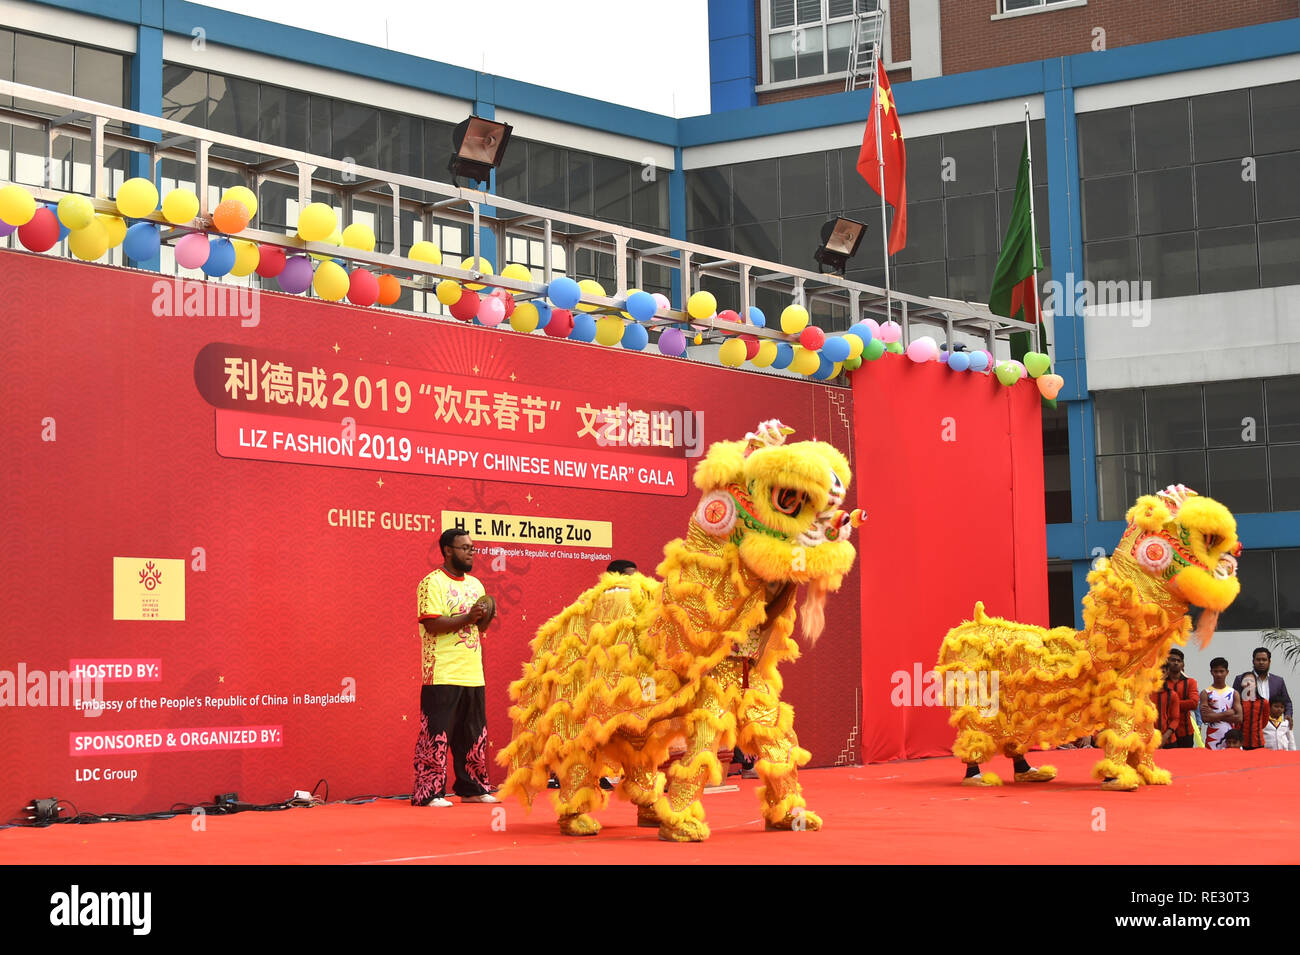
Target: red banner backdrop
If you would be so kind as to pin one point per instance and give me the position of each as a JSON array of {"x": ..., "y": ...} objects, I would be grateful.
[
  {"x": 220, "y": 505},
  {"x": 950, "y": 466}
]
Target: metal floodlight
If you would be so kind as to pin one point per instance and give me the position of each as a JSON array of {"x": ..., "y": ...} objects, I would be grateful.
[
  {"x": 477, "y": 147},
  {"x": 840, "y": 240}
]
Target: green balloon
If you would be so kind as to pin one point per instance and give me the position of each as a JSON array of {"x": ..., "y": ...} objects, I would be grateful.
[
  {"x": 1008, "y": 373},
  {"x": 852, "y": 364},
  {"x": 1036, "y": 363},
  {"x": 874, "y": 349},
  {"x": 894, "y": 348}
]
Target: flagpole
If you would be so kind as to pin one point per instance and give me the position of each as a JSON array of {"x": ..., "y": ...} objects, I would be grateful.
[
  {"x": 1033, "y": 237},
  {"x": 880, "y": 158}
]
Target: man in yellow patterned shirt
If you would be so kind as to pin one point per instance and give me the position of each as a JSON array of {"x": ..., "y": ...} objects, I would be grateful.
[{"x": 454, "y": 614}]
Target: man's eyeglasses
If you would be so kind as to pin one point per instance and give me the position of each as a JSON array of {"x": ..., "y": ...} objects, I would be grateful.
[{"x": 467, "y": 548}]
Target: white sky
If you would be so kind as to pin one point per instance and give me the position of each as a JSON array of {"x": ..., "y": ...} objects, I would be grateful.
[{"x": 651, "y": 56}]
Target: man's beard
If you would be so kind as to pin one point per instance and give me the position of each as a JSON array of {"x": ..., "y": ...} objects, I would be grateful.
[{"x": 461, "y": 565}]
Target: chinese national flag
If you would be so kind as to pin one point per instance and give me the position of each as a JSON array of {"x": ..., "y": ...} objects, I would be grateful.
[{"x": 894, "y": 152}]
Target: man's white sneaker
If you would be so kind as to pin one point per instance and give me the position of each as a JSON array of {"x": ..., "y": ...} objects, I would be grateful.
[
  {"x": 486, "y": 797},
  {"x": 439, "y": 802}
]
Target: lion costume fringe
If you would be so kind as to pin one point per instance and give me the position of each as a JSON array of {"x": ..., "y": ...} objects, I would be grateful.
[
  {"x": 1054, "y": 686},
  {"x": 635, "y": 664}
]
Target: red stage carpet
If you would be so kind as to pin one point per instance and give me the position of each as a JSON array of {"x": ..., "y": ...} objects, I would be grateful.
[{"x": 904, "y": 812}]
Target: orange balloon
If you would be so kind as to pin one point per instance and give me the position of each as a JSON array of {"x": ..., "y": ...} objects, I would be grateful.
[
  {"x": 390, "y": 290},
  {"x": 231, "y": 217}
]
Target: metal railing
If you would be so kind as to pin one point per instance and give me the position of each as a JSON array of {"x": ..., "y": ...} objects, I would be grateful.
[{"x": 633, "y": 249}]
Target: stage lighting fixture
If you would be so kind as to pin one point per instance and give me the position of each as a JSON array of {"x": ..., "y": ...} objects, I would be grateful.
[
  {"x": 477, "y": 147},
  {"x": 840, "y": 240}
]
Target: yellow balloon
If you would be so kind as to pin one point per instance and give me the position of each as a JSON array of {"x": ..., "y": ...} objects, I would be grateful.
[
  {"x": 732, "y": 353},
  {"x": 480, "y": 265},
  {"x": 805, "y": 362},
  {"x": 520, "y": 273},
  {"x": 839, "y": 367},
  {"x": 699, "y": 338},
  {"x": 794, "y": 320},
  {"x": 76, "y": 212},
  {"x": 448, "y": 292},
  {"x": 766, "y": 354},
  {"x": 590, "y": 287},
  {"x": 89, "y": 243},
  {"x": 116, "y": 229},
  {"x": 16, "y": 206},
  {"x": 179, "y": 206},
  {"x": 525, "y": 317},
  {"x": 316, "y": 222},
  {"x": 246, "y": 257},
  {"x": 334, "y": 238},
  {"x": 330, "y": 281},
  {"x": 609, "y": 330},
  {"x": 855, "y": 345},
  {"x": 242, "y": 194},
  {"x": 359, "y": 236},
  {"x": 137, "y": 198},
  {"x": 425, "y": 252},
  {"x": 701, "y": 305}
]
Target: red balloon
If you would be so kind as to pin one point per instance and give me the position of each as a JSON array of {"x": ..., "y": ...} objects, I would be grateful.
[
  {"x": 561, "y": 323},
  {"x": 812, "y": 338},
  {"x": 466, "y": 306},
  {"x": 390, "y": 290},
  {"x": 727, "y": 315},
  {"x": 41, "y": 231},
  {"x": 363, "y": 287},
  {"x": 270, "y": 261},
  {"x": 751, "y": 346},
  {"x": 507, "y": 300}
]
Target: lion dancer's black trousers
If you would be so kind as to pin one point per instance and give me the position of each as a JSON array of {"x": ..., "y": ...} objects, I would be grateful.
[{"x": 451, "y": 718}]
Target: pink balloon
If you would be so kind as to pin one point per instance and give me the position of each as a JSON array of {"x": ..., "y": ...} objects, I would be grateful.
[
  {"x": 661, "y": 300},
  {"x": 874, "y": 325},
  {"x": 491, "y": 311},
  {"x": 919, "y": 351},
  {"x": 891, "y": 332},
  {"x": 192, "y": 250}
]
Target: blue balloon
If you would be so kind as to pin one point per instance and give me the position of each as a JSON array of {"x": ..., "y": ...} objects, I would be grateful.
[
  {"x": 756, "y": 317},
  {"x": 863, "y": 331},
  {"x": 142, "y": 242},
  {"x": 979, "y": 361},
  {"x": 784, "y": 355},
  {"x": 641, "y": 306},
  {"x": 584, "y": 327},
  {"x": 635, "y": 337},
  {"x": 543, "y": 313},
  {"x": 959, "y": 361},
  {"x": 564, "y": 292},
  {"x": 63, "y": 230},
  {"x": 836, "y": 348},
  {"x": 221, "y": 257},
  {"x": 825, "y": 369}
]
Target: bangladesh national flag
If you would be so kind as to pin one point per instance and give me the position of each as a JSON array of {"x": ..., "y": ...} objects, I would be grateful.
[{"x": 1015, "y": 292}]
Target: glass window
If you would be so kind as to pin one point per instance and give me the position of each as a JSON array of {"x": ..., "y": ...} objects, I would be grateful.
[
  {"x": 708, "y": 197},
  {"x": 1165, "y": 200},
  {"x": 1111, "y": 261},
  {"x": 968, "y": 160},
  {"x": 1178, "y": 467},
  {"x": 714, "y": 239},
  {"x": 859, "y": 195},
  {"x": 43, "y": 63},
  {"x": 1011, "y": 140},
  {"x": 512, "y": 174},
  {"x": 1223, "y": 197},
  {"x": 1118, "y": 417},
  {"x": 924, "y": 168},
  {"x": 613, "y": 189},
  {"x": 1221, "y": 125},
  {"x": 548, "y": 169},
  {"x": 924, "y": 234},
  {"x": 1284, "y": 476},
  {"x": 581, "y": 190},
  {"x": 1276, "y": 113},
  {"x": 401, "y": 144},
  {"x": 759, "y": 240},
  {"x": 803, "y": 184},
  {"x": 929, "y": 278},
  {"x": 1279, "y": 251},
  {"x": 1121, "y": 480},
  {"x": 1234, "y": 413},
  {"x": 6, "y": 72},
  {"x": 101, "y": 76},
  {"x": 1169, "y": 263},
  {"x": 1175, "y": 419},
  {"x": 970, "y": 278},
  {"x": 1228, "y": 259},
  {"x": 185, "y": 95},
  {"x": 757, "y": 194},
  {"x": 1275, "y": 186},
  {"x": 1239, "y": 479},
  {"x": 283, "y": 119},
  {"x": 1105, "y": 142},
  {"x": 437, "y": 152},
  {"x": 1283, "y": 396},
  {"x": 355, "y": 133},
  {"x": 1255, "y": 606},
  {"x": 1162, "y": 135},
  {"x": 320, "y": 128},
  {"x": 649, "y": 202},
  {"x": 800, "y": 239},
  {"x": 1108, "y": 208},
  {"x": 1288, "y": 587},
  {"x": 972, "y": 226}
]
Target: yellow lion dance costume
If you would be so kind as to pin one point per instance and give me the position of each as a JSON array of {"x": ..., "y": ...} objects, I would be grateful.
[
  {"x": 1053, "y": 686},
  {"x": 634, "y": 664}
]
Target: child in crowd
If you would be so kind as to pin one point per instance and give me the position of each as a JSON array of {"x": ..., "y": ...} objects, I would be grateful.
[
  {"x": 1232, "y": 740},
  {"x": 1220, "y": 706},
  {"x": 1277, "y": 731}
]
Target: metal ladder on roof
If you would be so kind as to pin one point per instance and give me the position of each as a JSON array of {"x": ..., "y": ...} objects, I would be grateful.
[{"x": 868, "y": 33}]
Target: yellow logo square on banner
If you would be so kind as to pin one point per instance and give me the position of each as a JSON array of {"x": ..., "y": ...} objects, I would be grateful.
[{"x": 148, "y": 588}]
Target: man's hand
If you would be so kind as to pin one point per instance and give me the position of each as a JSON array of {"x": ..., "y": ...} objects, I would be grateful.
[{"x": 487, "y": 611}]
